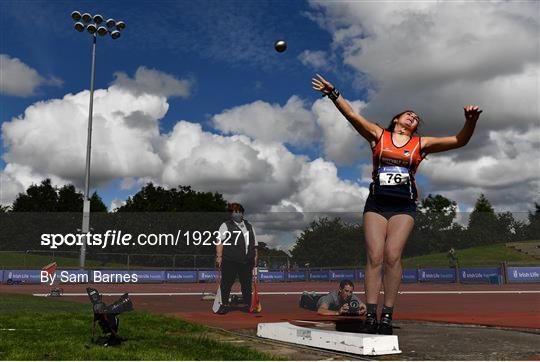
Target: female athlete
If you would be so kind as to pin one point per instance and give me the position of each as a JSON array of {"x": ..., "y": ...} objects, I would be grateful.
[{"x": 391, "y": 204}]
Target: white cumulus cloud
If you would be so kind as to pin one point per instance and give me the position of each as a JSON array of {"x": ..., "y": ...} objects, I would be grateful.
[
  {"x": 50, "y": 137},
  {"x": 341, "y": 142},
  {"x": 152, "y": 81},
  {"x": 292, "y": 123},
  {"x": 49, "y": 140},
  {"x": 317, "y": 59},
  {"x": 19, "y": 79},
  {"x": 435, "y": 58},
  {"x": 506, "y": 170}
]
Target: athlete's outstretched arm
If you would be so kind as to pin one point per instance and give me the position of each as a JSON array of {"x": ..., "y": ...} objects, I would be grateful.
[
  {"x": 440, "y": 144},
  {"x": 370, "y": 131}
]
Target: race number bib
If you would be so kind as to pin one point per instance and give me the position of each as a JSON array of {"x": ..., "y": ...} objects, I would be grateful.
[{"x": 393, "y": 175}]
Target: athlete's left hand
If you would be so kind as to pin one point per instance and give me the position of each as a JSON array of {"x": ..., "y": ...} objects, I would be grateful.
[{"x": 472, "y": 113}]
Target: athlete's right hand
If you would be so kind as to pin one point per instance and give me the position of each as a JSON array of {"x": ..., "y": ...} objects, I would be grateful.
[
  {"x": 218, "y": 262},
  {"x": 472, "y": 113},
  {"x": 322, "y": 85}
]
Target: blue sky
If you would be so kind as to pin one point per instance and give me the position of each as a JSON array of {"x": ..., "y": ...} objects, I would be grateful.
[
  {"x": 265, "y": 137},
  {"x": 227, "y": 47}
]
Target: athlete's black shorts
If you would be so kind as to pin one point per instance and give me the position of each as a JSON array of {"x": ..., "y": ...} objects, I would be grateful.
[{"x": 388, "y": 206}]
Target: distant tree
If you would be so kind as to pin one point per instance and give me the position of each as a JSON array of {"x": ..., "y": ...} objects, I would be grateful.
[
  {"x": 47, "y": 198},
  {"x": 533, "y": 229},
  {"x": 69, "y": 199},
  {"x": 483, "y": 225},
  {"x": 483, "y": 205},
  {"x": 436, "y": 213},
  {"x": 329, "y": 242},
  {"x": 157, "y": 210},
  {"x": 271, "y": 255},
  {"x": 508, "y": 229},
  {"x": 4, "y": 208},
  {"x": 37, "y": 198},
  {"x": 158, "y": 199},
  {"x": 96, "y": 203},
  {"x": 435, "y": 229}
]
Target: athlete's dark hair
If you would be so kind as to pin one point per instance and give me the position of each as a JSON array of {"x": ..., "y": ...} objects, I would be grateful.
[
  {"x": 235, "y": 207},
  {"x": 392, "y": 124},
  {"x": 344, "y": 283}
]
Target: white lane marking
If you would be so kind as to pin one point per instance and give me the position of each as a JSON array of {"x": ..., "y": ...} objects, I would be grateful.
[{"x": 162, "y": 294}]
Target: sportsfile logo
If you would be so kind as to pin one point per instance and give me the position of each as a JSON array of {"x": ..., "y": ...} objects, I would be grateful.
[{"x": 121, "y": 238}]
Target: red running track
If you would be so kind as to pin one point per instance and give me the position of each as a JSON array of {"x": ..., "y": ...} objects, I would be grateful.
[{"x": 515, "y": 305}]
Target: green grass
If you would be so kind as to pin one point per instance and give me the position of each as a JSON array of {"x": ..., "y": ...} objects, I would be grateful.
[
  {"x": 49, "y": 329},
  {"x": 23, "y": 260},
  {"x": 487, "y": 255}
]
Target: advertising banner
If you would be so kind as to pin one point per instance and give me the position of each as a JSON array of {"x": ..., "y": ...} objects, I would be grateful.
[
  {"x": 523, "y": 274},
  {"x": 319, "y": 275},
  {"x": 480, "y": 275},
  {"x": 181, "y": 276},
  {"x": 208, "y": 275},
  {"x": 409, "y": 276},
  {"x": 22, "y": 277},
  {"x": 272, "y": 276},
  {"x": 296, "y": 276},
  {"x": 438, "y": 275},
  {"x": 341, "y": 274}
]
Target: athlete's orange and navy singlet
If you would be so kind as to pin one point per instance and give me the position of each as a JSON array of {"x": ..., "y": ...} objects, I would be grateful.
[{"x": 394, "y": 167}]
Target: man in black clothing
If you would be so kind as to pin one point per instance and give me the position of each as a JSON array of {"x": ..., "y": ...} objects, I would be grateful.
[{"x": 236, "y": 255}]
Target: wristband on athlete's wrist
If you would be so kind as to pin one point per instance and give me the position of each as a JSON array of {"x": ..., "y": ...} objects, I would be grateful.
[{"x": 334, "y": 94}]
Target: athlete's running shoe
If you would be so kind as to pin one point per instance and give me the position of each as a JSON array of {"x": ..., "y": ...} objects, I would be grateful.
[
  {"x": 385, "y": 325},
  {"x": 370, "y": 324}
]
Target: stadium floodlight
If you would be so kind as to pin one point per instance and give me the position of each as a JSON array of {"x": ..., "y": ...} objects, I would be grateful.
[
  {"x": 120, "y": 25},
  {"x": 79, "y": 26},
  {"x": 76, "y": 15},
  {"x": 98, "y": 19},
  {"x": 86, "y": 17},
  {"x": 93, "y": 29},
  {"x": 102, "y": 31},
  {"x": 115, "y": 34}
]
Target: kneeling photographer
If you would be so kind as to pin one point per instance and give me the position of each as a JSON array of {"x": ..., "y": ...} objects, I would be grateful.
[{"x": 341, "y": 302}]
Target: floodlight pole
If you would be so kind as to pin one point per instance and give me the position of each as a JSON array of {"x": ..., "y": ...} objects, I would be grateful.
[
  {"x": 115, "y": 34},
  {"x": 86, "y": 204}
]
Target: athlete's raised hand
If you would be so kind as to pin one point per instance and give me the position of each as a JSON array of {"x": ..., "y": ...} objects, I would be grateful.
[
  {"x": 322, "y": 85},
  {"x": 472, "y": 113}
]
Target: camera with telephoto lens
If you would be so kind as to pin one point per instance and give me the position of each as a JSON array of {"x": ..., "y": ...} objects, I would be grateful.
[
  {"x": 354, "y": 307},
  {"x": 107, "y": 316}
]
